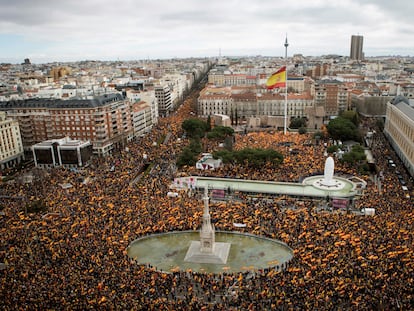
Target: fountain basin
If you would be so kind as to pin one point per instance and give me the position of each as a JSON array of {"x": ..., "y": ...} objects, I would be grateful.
[
  {"x": 338, "y": 186},
  {"x": 166, "y": 252}
]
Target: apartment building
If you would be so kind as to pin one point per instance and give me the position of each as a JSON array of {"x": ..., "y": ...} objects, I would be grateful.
[
  {"x": 141, "y": 118},
  {"x": 11, "y": 147},
  {"x": 399, "y": 129},
  {"x": 140, "y": 97},
  {"x": 319, "y": 70},
  {"x": 104, "y": 120},
  {"x": 333, "y": 96},
  {"x": 163, "y": 95}
]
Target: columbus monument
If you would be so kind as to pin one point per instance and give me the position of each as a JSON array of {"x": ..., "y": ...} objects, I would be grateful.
[{"x": 207, "y": 250}]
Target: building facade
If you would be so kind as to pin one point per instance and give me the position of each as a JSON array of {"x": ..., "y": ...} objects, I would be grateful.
[
  {"x": 333, "y": 96},
  {"x": 242, "y": 104},
  {"x": 357, "y": 48},
  {"x": 163, "y": 95},
  {"x": 105, "y": 120},
  {"x": 399, "y": 128},
  {"x": 141, "y": 118},
  {"x": 215, "y": 100},
  {"x": 11, "y": 146},
  {"x": 62, "y": 152}
]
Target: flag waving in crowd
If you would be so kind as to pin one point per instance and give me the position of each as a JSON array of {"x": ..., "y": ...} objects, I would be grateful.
[{"x": 277, "y": 79}]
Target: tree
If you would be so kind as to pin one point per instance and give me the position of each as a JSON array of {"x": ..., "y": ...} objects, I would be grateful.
[
  {"x": 319, "y": 135},
  {"x": 194, "y": 127},
  {"x": 225, "y": 155},
  {"x": 302, "y": 130},
  {"x": 342, "y": 129},
  {"x": 220, "y": 132},
  {"x": 195, "y": 146},
  {"x": 186, "y": 157},
  {"x": 296, "y": 123},
  {"x": 250, "y": 156},
  {"x": 208, "y": 129},
  {"x": 351, "y": 116},
  {"x": 332, "y": 149},
  {"x": 356, "y": 157}
]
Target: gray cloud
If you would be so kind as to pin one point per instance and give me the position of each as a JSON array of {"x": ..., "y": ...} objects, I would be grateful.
[{"x": 162, "y": 28}]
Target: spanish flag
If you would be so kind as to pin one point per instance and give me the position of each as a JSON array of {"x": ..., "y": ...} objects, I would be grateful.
[{"x": 278, "y": 79}]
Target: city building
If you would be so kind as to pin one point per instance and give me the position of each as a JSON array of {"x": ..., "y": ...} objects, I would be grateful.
[
  {"x": 59, "y": 72},
  {"x": 163, "y": 95},
  {"x": 220, "y": 120},
  {"x": 318, "y": 70},
  {"x": 141, "y": 118},
  {"x": 62, "y": 152},
  {"x": 357, "y": 48},
  {"x": 333, "y": 96},
  {"x": 215, "y": 100},
  {"x": 242, "y": 103},
  {"x": 399, "y": 129},
  {"x": 104, "y": 120},
  {"x": 11, "y": 147}
]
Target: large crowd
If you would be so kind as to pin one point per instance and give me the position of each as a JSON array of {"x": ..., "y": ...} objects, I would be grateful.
[{"x": 75, "y": 255}]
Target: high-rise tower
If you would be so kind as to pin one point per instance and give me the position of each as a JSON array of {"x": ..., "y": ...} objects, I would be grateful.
[{"x": 356, "y": 47}]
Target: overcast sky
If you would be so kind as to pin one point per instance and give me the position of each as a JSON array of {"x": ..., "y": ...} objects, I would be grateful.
[{"x": 71, "y": 30}]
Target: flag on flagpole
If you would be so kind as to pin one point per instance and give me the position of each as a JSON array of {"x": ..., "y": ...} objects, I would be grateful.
[{"x": 278, "y": 79}]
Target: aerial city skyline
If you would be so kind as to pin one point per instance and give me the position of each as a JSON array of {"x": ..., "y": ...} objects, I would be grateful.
[
  {"x": 184, "y": 132},
  {"x": 52, "y": 31}
]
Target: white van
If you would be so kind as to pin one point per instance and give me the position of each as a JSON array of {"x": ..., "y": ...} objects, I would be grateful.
[{"x": 406, "y": 192}]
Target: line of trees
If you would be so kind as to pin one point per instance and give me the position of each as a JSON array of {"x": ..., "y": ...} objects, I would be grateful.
[
  {"x": 253, "y": 157},
  {"x": 195, "y": 129}
]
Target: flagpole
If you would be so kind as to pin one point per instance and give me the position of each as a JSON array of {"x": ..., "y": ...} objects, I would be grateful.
[{"x": 286, "y": 86}]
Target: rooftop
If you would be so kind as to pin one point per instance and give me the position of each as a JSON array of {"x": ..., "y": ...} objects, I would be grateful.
[
  {"x": 97, "y": 101},
  {"x": 404, "y": 105}
]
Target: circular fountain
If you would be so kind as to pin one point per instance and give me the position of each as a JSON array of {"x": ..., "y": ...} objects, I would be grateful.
[
  {"x": 208, "y": 251},
  {"x": 166, "y": 252},
  {"x": 328, "y": 181}
]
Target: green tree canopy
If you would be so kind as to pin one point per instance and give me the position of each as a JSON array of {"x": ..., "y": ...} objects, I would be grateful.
[
  {"x": 332, "y": 149},
  {"x": 250, "y": 156},
  {"x": 195, "y": 145},
  {"x": 319, "y": 135},
  {"x": 220, "y": 132},
  {"x": 225, "y": 155},
  {"x": 194, "y": 127},
  {"x": 208, "y": 129},
  {"x": 296, "y": 123},
  {"x": 356, "y": 154},
  {"x": 342, "y": 129},
  {"x": 186, "y": 157},
  {"x": 351, "y": 116}
]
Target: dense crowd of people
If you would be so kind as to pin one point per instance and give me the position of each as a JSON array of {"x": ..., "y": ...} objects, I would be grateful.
[{"x": 74, "y": 256}]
